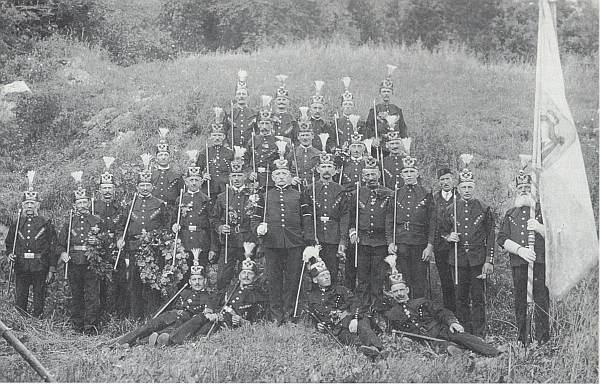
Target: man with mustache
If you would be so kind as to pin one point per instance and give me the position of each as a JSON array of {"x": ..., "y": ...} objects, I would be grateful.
[
  {"x": 353, "y": 166},
  {"x": 85, "y": 231},
  {"x": 167, "y": 183},
  {"x": 317, "y": 124},
  {"x": 304, "y": 157},
  {"x": 286, "y": 126},
  {"x": 344, "y": 126},
  {"x": 244, "y": 118},
  {"x": 333, "y": 216},
  {"x": 34, "y": 256},
  {"x": 513, "y": 236},
  {"x": 423, "y": 317},
  {"x": 392, "y": 163},
  {"x": 374, "y": 203},
  {"x": 113, "y": 294}
]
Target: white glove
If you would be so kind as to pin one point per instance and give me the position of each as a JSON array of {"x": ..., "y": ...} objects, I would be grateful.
[
  {"x": 64, "y": 257},
  {"x": 526, "y": 254},
  {"x": 261, "y": 230},
  {"x": 353, "y": 327},
  {"x": 534, "y": 225}
]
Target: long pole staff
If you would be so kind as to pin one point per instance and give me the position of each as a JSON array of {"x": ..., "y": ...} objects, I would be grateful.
[
  {"x": 68, "y": 243},
  {"x": 232, "y": 142},
  {"x": 337, "y": 140},
  {"x": 227, "y": 298},
  {"x": 395, "y": 210},
  {"x": 455, "y": 244},
  {"x": 207, "y": 171},
  {"x": 380, "y": 159},
  {"x": 14, "y": 246},
  {"x": 356, "y": 226},
  {"x": 254, "y": 154},
  {"x": 266, "y": 195},
  {"x": 170, "y": 301},
  {"x": 226, "y": 218},
  {"x": 178, "y": 222},
  {"x": 296, "y": 163},
  {"x": 126, "y": 227}
]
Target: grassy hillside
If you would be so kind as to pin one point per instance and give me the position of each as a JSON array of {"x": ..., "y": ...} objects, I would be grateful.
[{"x": 452, "y": 104}]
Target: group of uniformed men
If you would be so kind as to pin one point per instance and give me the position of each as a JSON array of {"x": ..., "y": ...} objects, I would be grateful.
[{"x": 297, "y": 191}]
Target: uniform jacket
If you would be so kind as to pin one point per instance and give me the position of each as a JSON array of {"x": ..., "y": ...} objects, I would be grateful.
[
  {"x": 351, "y": 173},
  {"x": 80, "y": 231},
  {"x": 36, "y": 242},
  {"x": 345, "y": 130},
  {"x": 475, "y": 224},
  {"x": 421, "y": 316},
  {"x": 392, "y": 169},
  {"x": 240, "y": 213},
  {"x": 287, "y": 126},
  {"x": 318, "y": 127},
  {"x": 382, "y": 125},
  {"x": 333, "y": 216},
  {"x": 247, "y": 302},
  {"x": 112, "y": 215},
  {"x": 219, "y": 164},
  {"x": 195, "y": 302},
  {"x": 514, "y": 227},
  {"x": 243, "y": 125},
  {"x": 440, "y": 205},
  {"x": 415, "y": 217},
  {"x": 334, "y": 305},
  {"x": 148, "y": 213},
  {"x": 195, "y": 221},
  {"x": 304, "y": 161},
  {"x": 167, "y": 184},
  {"x": 265, "y": 153},
  {"x": 374, "y": 205},
  {"x": 288, "y": 217}
]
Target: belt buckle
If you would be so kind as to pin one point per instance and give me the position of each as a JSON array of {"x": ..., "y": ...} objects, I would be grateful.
[
  {"x": 192, "y": 228},
  {"x": 236, "y": 229},
  {"x": 324, "y": 219},
  {"x": 261, "y": 169},
  {"x": 407, "y": 226},
  {"x": 29, "y": 255}
]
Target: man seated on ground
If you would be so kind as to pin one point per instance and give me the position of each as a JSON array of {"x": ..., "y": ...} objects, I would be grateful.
[
  {"x": 242, "y": 303},
  {"x": 193, "y": 313},
  {"x": 423, "y": 317},
  {"x": 337, "y": 308}
]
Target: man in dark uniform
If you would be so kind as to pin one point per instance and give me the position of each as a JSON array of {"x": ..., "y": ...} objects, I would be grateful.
[
  {"x": 148, "y": 213},
  {"x": 285, "y": 127},
  {"x": 443, "y": 251},
  {"x": 317, "y": 124},
  {"x": 338, "y": 309},
  {"x": 374, "y": 202},
  {"x": 219, "y": 158},
  {"x": 194, "y": 226},
  {"x": 243, "y": 303},
  {"x": 414, "y": 224},
  {"x": 513, "y": 236},
  {"x": 392, "y": 164},
  {"x": 263, "y": 150},
  {"x": 286, "y": 228},
  {"x": 34, "y": 255},
  {"x": 352, "y": 168},
  {"x": 332, "y": 215},
  {"x": 194, "y": 312},
  {"x": 422, "y": 316},
  {"x": 113, "y": 294},
  {"x": 383, "y": 110},
  {"x": 167, "y": 183},
  {"x": 77, "y": 239},
  {"x": 343, "y": 124},
  {"x": 475, "y": 238},
  {"x": 237, "y": 229},
  {"x": 304, "y": 157},
  {"x": 244, "y": 118}
]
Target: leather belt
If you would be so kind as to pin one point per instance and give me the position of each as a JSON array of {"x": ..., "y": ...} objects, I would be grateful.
[
  {"x": 261, "y": 169},
  {"x": 79, "y": 247},
  {"x": 31, "y": 255},
  {"x": 191, "y": 228}
]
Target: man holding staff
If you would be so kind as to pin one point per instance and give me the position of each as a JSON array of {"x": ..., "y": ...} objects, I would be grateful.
[
  {"x": 241, "y": 125},
  {"x": 167, "y": 183},
  {"x": 285, "y": 127},
  {"x": 30, "y": 243},
  {"x": 343, "y": 125},
  {"x": 513, "y": 236},
  {"x": 304, "y": 157},
  {"x": 474, "y": 236},
  {"x": 317, "y": 124}
]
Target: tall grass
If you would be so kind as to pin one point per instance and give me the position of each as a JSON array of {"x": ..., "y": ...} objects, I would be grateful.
[{"x": 452, "y": 104}]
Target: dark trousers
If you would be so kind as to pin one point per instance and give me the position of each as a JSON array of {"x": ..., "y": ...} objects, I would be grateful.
[
  {"x": 445, "y": 273},
  {"x": 143, "y": 300},
  {"x": 197, "y": 325},
  {"x": 328, "y": 254},
  {"x": 85, "y": 288},
  {"x": 350, "y": 269},
  {"x": 24, "y": 280},
  {"x": 371, "y": 275},
  {"x": 283, "y": 274},
  {"x": 470, "y": 300},
  {"x": 469, "y": 341},
  {"x": 363, "y": 336},
  {"x": 226, "y": 272},
  {"x": 113, "y": 294},
  {"x": 414, "y": 269},
  {"x": 541, "y": 325}
]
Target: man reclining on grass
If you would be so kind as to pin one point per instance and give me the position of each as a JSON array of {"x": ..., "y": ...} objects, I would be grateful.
[
  {"x": 423, "y": 317},
  {"x": 194, "y": 313}
]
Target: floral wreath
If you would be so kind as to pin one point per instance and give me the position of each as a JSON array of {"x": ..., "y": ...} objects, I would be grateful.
[{"x": 100, "y": 246}]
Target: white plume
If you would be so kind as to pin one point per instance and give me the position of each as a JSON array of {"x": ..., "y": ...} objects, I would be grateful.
[
  {"x": 466, "y": 158},
  {"x": 218, "y": 112},
  {"x": 146, "y": 158},
  {"x": 108, "y": 161},
  {"x": 266, "y": 100},
  {"x": 310, "y": 251},
  {"x": 304, "y": 112},
  {"x": 248, "y": 247},
  {"x": 281, "y": 78},
  {"x": 77, "y": 176},
  {"x": 242, "y": 75},
  {"x": 192, "y": 154},
  {"x": 391, "y": 260},
  {"x": 368, "y": 144},
  {"x": 319, "y": 86},
  {"x": 346, "y": 81},
  {"x": 406, "y": 142},
  {"x": 30, "y": 176},
  {"x": 239, "y": 151},
  {"x": 163, "y": 132},
  {"x": 525, "y": 160},
  {"x": 196, "y": 253},
  {"x": 323, "y": 137},
  {"x": 354, "y": 120},
  {"x": 391, "y": 120},
  {"x": 391, "y": 69},
  {"x": 281, "y": 144}
]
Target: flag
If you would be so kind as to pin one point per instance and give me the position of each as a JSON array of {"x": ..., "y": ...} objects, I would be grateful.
[{"x": 571, "y": 237}]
